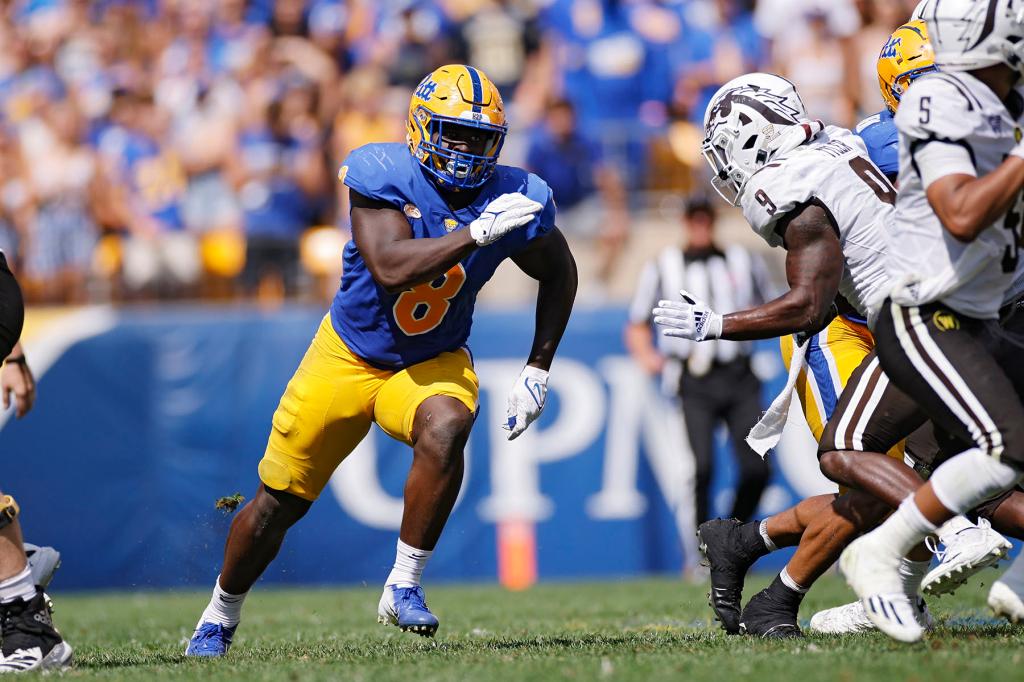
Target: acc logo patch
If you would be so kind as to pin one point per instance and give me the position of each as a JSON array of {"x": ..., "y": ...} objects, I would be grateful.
[
  {"x": 342, "y": 172},
  {"x": 945, "y": 321},
  {"x": 411, "y": 211},
  {"x": 450, "y": 224}
]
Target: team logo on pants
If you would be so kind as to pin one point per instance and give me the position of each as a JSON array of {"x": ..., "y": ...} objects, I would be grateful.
[{"x": 945, "y": 321}]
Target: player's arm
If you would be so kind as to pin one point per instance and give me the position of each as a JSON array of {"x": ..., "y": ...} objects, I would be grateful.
[
  {"x": 937, "y": 138},
  {"x": 549, "y": 261},
  {"x": 396, "y": 260},
  {"x": 966, "y": 204},
  {"x": 814, "y": 268}
]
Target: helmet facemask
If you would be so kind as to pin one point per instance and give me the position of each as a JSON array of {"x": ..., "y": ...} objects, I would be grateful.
[{"x": 457, "y": 169}]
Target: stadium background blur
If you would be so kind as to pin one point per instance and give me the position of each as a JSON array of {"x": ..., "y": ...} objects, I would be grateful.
[{"x": 186, "y": 150}]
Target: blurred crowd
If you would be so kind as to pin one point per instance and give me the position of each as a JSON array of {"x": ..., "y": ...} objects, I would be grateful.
[{"x": 188, "y": 148}]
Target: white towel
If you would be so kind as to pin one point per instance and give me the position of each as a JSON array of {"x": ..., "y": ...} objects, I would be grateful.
[{"x": 768, "y": 431}]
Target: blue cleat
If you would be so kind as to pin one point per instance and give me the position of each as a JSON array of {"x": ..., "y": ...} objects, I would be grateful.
[
  {"x": 406, "y": 607},
  {"x": 210, "y": 640}
]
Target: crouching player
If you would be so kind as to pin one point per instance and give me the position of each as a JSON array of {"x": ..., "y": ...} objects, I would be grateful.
[{"x": 430, "y": 224}]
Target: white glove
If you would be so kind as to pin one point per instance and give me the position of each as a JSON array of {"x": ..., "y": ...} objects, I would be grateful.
[
  {"x": 526, "y": 400},
  {"x": 690, "y": 318},
  {"x": 501, "y": 216}
]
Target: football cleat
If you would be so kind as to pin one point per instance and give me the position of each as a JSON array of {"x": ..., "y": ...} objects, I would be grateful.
[
  {"x": 873, "y": 574},
  {"x": 769, "y": 615},
  {"x": 43, "y": 562},
  {"x": 1006, "y": 603},
  {"x": 406, "y": 607},
  {"x": 966, "y": 552},
  {"x": 729, "y": 552},
  {"x": 30, "y": 642},
  {"x": 851, "y": 619},
  {"x": 210, "y": 640}
]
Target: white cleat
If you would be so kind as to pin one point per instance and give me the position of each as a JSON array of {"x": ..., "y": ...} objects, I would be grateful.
[
  {"x": 876, "y": 580},
  {"x": 1005, "y": 602},
  {"x": 842, "y": 620},
  {"x": 851, "y": 619},
  {"x": 26, "y": 660},
  {"x": 966, "y": 552}
]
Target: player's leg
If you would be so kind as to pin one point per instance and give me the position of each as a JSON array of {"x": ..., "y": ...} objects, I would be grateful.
[
  {"x": 325, "y": 411},
  {"x": 730, "y": 547},
  {"x": 869, "y": 415},
  {"x": 440, "y": 431},
  {"x": 945, "y": 364},
  {"x": 30, "y": 641},
  {"x": 431, "y": 406}
]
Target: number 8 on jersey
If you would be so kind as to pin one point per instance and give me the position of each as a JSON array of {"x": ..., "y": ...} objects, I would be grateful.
[{"x": 422, "y": 308}]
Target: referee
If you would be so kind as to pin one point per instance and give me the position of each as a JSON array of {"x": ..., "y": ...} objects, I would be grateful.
[{"x": 713, "y": 378}]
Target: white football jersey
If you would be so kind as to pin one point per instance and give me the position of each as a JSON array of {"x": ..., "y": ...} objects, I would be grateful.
[
  {"x": 833, "y": 171},
  {"x": 926, "y": 262}
]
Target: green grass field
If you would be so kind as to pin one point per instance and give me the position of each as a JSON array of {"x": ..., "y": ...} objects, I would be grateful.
[{"x": 635, "y": 630}]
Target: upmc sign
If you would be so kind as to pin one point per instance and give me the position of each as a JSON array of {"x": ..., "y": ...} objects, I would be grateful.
[{"x": 145, "y": 423}]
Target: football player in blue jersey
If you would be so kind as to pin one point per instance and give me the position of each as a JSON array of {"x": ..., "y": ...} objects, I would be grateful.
[
  {"x": 431, "y": 221},
  {"x": 906, "y": 56}
]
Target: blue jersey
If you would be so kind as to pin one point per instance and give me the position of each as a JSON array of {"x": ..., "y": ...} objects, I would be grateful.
[
  {"x": 399, "y": 330},
  {"x": 883, "y": 142}
]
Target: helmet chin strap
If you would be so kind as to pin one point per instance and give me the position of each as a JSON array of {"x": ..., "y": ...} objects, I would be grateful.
[{"x": 794, "y": 136}]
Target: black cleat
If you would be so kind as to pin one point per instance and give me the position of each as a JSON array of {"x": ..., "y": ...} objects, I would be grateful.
[
  {"x": 772, "y": 613},
  {"x": 730, "y": 547},
  {"x": 30, "y": 642}
]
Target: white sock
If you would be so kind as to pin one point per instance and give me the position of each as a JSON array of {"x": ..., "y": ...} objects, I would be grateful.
[
  {"x": 788, "y": 581},
  {"x": 1014, "y": 576},
  {"x": 762, "y": 528},
  {"x": 952, "y": 527},
  {"x": 969, "y": 479},
  {"x": 904, "y": 529},
  {"x": 409, "y": 565},
  {"x": 223, "y": 608},
  {"x": 19, "y": 586},
  {"x": 912, "y": 573}
]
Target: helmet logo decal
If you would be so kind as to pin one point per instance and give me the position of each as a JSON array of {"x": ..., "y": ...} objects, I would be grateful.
[
  {"x": 772, "y": 106},
  {"x": 990, "y": 23},
  {"x": 891, "y": 48},
  {"x": 426, "y": 89}
]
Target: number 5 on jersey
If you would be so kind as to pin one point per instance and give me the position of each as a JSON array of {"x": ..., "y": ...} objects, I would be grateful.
[{"x": 422, "y": 308}]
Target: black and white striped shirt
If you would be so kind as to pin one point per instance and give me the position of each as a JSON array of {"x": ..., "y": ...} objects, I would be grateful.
[{"x": 730, "y": 280}]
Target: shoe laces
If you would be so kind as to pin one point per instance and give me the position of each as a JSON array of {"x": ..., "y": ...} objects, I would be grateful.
[
  {"x": 210, "y": 631},
  {"x": 17, "y": 617},
  {"x": 413, "y": 596},
  {"x": 932, "y": 543}
]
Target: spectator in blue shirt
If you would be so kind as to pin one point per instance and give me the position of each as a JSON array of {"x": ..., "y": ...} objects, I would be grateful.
[
  {"x": 281, "y": 179},
  {"x": 590, "y": 193}
]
